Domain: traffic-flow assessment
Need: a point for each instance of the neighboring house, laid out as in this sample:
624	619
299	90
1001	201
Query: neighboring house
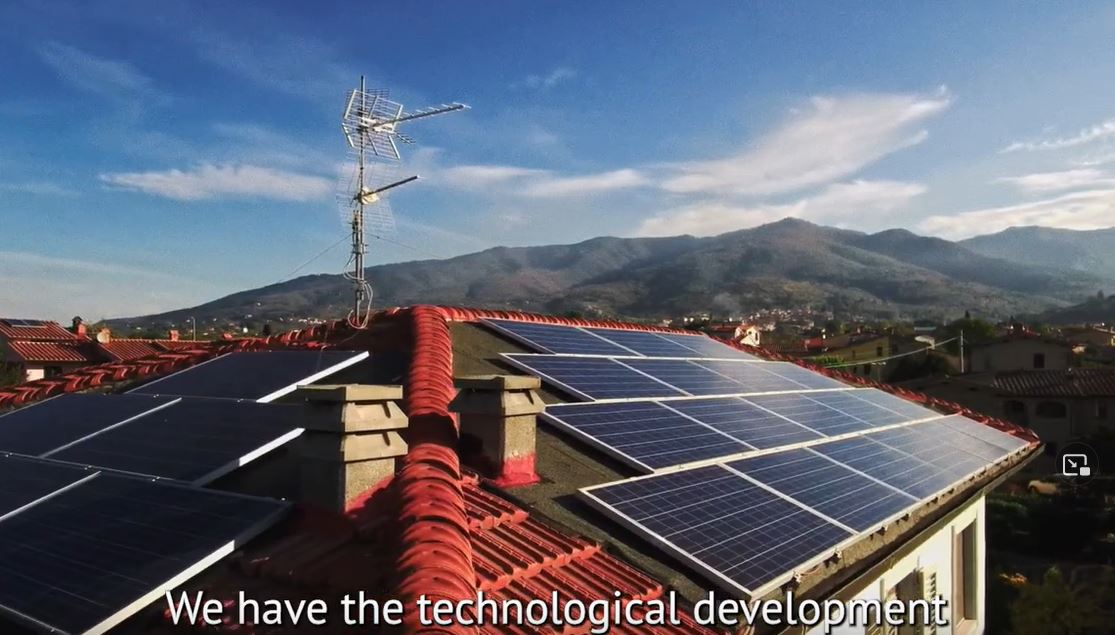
1090	336
863	354
1019	353
740	333
482	498
38	349
1059	405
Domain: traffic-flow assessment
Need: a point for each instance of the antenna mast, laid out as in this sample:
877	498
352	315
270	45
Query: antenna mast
370	124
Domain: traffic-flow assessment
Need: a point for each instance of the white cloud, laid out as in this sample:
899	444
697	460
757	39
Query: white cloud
560	186
833	138
101	76
1090	209
1102	130
298	66
477	177
223	181
862	201
547	81
1041	182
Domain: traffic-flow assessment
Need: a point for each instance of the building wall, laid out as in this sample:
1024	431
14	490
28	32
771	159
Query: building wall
1018	355
936	553
1082	417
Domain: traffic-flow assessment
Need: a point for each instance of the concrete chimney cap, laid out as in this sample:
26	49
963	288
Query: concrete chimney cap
349	393
498	382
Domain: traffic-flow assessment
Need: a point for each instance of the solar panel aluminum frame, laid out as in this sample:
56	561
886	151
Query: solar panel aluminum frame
231	466
358	356
175	581
510	358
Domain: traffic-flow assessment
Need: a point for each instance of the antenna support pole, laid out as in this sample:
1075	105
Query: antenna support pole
358	246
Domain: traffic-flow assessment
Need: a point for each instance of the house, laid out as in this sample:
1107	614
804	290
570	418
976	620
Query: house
1017	352
738	332
479	497
1090	336
38	349
1059	405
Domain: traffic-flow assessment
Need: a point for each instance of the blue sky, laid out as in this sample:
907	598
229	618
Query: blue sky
157	155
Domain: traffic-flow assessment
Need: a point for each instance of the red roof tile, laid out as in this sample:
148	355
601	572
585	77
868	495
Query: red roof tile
1071	382
123	349
79	352
47	331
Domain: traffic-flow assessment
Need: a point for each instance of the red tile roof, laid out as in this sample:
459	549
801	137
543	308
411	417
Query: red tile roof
70	352
1072	382
46	332
429	530
123	349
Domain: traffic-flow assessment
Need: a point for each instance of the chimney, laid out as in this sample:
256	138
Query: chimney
500	412
351	441
172	335
78	327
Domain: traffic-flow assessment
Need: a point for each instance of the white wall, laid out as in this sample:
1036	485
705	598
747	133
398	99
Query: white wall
35	372
936	552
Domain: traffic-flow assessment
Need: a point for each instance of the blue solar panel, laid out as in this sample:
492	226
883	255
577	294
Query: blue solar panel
252	376
889	465
852	403
24	481
756	377
934	448
86	558
1002	440
687	376
704	346
744	421
908	410
645	434
593	377
557	339
811	413
749	536
834	490
645	343
193	440
64	419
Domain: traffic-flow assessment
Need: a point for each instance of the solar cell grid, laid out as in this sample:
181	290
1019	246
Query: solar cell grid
850	403
746	534
707	346
687	376
744	421
55	422
593	377
1002	440
811	413
832	489
889	465
24	481
908	409
935	449
644	343
645	433
558	339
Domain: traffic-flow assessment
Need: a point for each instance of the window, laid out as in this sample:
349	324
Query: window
1039	360
1051	410
52	371
1101	410
878	351
965	576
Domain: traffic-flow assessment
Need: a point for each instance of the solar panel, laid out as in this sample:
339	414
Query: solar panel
889	465
87	557
792	375
557	339
592	378
64	419
687	376
256	376
742	534
1002	440
707	347
645	343
852	499
744	421
909	410
647	435
811	412
194	440
24	481
21	323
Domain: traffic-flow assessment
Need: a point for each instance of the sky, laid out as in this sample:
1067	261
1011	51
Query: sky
156	155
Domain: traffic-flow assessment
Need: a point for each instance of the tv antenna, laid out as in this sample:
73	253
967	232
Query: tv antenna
371	126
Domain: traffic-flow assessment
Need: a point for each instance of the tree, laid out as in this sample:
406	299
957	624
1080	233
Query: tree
1055	606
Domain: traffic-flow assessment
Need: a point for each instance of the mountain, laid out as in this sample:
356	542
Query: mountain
1097	309
790	263
1066	249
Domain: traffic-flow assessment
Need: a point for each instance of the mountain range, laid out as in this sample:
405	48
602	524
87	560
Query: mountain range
787	264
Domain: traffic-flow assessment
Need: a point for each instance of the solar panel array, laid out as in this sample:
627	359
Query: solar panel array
186	438
560	339
654	434
751	522
600	378
257	376
20	323
81	550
